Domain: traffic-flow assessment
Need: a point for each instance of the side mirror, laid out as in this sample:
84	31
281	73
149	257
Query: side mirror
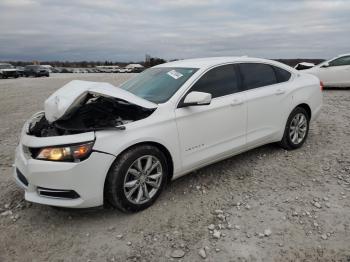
195	98
325	65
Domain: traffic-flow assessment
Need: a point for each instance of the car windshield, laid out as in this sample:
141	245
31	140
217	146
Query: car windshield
6	66
158	84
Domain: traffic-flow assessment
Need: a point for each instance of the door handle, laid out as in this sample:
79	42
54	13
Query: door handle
237	102
280	91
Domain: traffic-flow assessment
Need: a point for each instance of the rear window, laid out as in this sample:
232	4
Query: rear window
257	75
281	74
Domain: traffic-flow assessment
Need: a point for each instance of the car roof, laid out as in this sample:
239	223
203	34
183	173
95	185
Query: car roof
208	62
344	55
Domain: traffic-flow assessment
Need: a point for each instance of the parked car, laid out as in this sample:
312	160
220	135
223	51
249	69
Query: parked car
56	70
48	68
124	70
96	143
20	70
36	71
8	70
76	70
66	70
334	72
91	70
137	70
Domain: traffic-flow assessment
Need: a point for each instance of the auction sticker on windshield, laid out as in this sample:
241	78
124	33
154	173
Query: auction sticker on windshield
174	74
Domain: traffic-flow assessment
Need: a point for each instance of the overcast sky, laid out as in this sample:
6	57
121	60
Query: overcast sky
127	30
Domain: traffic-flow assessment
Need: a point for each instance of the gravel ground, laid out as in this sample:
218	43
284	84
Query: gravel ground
267	204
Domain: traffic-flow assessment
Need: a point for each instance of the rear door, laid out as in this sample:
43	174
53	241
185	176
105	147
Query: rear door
209	132
268	100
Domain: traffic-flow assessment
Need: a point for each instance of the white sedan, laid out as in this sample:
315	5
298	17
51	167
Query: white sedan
96	143
334	72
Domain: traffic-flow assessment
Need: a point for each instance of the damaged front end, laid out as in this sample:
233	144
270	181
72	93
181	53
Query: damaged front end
82	106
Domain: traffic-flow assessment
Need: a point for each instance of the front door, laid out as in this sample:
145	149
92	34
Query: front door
337	73
209	132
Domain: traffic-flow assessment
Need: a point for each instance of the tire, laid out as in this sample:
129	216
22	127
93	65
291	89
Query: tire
120	184
293	140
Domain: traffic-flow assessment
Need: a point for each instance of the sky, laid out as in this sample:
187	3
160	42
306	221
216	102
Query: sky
117	30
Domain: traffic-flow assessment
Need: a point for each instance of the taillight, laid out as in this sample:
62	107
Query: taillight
321	85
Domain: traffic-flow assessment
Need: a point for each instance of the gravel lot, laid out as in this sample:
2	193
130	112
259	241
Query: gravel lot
267	204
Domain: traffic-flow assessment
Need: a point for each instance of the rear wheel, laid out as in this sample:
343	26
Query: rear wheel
136	178
296	130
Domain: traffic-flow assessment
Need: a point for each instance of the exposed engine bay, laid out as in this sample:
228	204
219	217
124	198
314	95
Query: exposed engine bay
96	112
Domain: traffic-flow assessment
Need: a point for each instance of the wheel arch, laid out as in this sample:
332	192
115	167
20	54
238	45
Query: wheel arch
307	109
167	154
160	146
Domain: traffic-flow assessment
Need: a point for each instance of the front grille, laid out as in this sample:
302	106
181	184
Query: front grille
21	177
57	193
10	73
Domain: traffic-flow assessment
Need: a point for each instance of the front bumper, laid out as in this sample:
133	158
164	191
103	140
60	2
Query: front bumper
10	73
316	113
85	178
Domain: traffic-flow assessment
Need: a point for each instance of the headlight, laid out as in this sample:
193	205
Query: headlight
73	153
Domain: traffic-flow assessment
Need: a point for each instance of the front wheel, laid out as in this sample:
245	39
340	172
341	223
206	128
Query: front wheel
136	178
296	130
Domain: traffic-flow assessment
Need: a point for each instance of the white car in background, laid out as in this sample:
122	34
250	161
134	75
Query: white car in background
97	143
334	72
8	70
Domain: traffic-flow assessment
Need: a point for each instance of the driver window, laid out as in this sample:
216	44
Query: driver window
219	81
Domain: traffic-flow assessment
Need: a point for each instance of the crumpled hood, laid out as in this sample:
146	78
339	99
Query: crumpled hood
72	95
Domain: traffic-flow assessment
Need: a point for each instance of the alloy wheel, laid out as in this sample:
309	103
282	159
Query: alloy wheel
298	128
143	179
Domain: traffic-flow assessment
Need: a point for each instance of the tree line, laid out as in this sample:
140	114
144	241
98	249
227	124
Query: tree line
149	63
90	64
